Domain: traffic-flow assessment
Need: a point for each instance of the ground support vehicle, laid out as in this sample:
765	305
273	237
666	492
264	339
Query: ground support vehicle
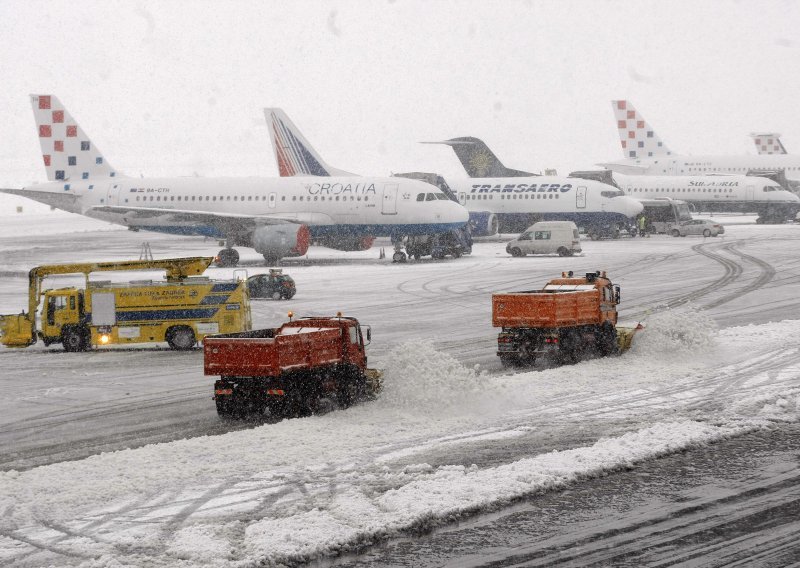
547	237
290	369
570	317
180	310
454	243
275	285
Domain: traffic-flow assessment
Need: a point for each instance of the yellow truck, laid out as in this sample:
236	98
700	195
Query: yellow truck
180	310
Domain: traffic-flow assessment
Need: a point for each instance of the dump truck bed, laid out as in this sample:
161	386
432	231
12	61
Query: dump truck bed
265	354
546	308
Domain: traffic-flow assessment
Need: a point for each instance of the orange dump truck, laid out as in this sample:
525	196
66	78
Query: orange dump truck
566	318
287	370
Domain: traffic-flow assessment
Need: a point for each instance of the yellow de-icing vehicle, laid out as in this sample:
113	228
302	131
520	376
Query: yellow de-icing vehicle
180	310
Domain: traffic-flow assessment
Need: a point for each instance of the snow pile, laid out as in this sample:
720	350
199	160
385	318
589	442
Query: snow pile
420	380
676	332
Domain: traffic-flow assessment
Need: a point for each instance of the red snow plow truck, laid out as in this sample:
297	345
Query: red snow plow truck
288	370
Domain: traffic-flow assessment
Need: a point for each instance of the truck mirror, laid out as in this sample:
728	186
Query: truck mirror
617	295
369	335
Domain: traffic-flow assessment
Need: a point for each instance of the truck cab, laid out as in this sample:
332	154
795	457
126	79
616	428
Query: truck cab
64	312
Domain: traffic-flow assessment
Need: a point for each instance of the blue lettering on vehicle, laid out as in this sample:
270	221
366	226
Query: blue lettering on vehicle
522	188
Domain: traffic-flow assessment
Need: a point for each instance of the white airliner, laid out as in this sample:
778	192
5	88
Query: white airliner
646	154
496	203
278	217
704	193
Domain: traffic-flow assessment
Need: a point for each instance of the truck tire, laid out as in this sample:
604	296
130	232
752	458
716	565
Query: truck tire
509	361
181	337
75	339
570	348
675	233
706	233
562	251
607	340
516	252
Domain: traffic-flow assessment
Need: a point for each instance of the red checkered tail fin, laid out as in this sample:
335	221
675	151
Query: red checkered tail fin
68	153
768	143
638	138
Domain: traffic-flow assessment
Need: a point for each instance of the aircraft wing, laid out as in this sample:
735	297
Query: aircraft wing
631	169
228	222
60	200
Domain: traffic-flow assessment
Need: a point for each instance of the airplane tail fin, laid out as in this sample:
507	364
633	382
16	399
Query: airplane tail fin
768	143
294	154
638	138
67	151
479	160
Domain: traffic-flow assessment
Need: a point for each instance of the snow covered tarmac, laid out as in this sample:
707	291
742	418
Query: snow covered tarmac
444	438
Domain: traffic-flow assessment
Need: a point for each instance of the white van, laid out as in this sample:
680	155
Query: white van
547	237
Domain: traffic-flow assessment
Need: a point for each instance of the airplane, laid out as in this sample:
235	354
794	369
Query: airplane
768	143
646	154
717	193
278	217
495	204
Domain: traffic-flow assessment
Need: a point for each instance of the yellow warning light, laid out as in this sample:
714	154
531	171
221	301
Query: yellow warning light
104	339
291	315
338	314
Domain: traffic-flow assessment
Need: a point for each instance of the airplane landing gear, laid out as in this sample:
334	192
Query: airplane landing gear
227	257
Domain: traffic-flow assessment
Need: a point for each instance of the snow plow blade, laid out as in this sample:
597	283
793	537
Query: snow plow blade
374	381
625	336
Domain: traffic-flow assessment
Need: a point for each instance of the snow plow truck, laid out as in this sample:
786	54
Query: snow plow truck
568	318
289	369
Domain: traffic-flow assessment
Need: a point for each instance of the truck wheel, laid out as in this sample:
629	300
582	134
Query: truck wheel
607	340
516	252
675	233
706	233
563	251
276	296
225	408
74	339
288	295
509	361
181	338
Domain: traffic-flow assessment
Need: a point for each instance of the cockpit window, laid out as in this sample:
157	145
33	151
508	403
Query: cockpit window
441	196
430	197
420	197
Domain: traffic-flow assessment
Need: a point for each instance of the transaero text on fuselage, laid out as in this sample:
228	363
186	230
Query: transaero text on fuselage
522	188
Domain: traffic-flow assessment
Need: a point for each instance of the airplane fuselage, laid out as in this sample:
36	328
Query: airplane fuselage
351	205
722	193
704	165
547	197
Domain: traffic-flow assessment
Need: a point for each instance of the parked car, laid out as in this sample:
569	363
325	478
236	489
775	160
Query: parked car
275	285
705	227
547	237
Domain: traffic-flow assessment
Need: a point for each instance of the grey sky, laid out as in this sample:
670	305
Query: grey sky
173	88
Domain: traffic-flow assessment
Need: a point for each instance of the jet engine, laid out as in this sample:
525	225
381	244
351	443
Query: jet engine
483	224
277	241
346	242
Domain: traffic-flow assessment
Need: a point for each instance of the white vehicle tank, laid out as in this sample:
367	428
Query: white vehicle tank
547	237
